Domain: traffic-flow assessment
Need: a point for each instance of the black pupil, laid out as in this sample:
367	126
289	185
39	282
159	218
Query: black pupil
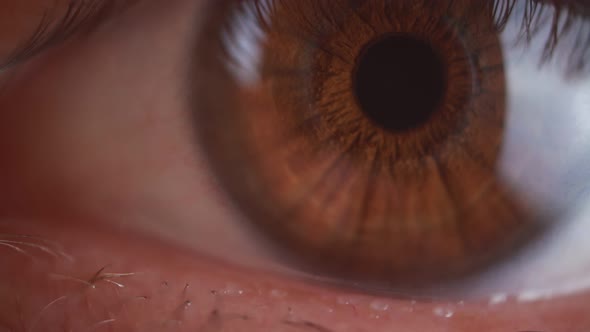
399	82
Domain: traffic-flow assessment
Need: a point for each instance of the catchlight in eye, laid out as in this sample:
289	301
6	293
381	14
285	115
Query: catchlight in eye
369	142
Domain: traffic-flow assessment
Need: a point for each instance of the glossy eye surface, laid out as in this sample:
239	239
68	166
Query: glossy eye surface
111	221
384	141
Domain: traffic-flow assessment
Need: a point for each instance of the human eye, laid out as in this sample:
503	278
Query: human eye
124	209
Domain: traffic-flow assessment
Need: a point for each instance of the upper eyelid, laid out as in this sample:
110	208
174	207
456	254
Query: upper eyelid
55	26
84	15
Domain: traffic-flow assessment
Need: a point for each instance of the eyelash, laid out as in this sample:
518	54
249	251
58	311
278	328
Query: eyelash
79	16
571	20
562	27
85	15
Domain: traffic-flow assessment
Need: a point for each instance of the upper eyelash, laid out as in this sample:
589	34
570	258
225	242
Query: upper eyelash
53	29
564	23
571	20
85	13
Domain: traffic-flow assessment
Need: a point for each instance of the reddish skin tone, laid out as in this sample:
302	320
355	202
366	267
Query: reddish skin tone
96	153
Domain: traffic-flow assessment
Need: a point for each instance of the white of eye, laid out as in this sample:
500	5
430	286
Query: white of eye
545	160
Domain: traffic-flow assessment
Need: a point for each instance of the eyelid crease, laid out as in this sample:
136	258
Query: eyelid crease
79	16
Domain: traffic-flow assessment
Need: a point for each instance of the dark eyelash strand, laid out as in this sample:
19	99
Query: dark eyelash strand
570	21
54	29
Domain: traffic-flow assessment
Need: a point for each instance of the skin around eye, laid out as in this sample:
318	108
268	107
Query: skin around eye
19	21
30	25
97	166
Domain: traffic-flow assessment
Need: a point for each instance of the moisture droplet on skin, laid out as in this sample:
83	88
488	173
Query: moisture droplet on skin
232	289
379	305
444	312
347	300
498	299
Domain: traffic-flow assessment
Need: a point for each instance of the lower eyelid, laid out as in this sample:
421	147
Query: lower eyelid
183	288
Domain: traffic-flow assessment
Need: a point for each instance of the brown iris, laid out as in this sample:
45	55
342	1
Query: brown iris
366	144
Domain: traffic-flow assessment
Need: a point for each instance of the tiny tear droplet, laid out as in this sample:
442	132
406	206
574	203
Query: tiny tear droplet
498	299
232	289
348	300
375	316
408	309
444	312
378	305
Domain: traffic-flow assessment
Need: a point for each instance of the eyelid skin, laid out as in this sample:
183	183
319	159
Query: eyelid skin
94	163
165	288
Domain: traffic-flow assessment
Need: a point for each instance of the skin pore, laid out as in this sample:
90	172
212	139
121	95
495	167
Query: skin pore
112	210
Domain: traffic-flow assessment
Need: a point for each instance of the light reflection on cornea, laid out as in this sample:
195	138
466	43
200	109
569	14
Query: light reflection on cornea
571	288
497	299
243	42
444	312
